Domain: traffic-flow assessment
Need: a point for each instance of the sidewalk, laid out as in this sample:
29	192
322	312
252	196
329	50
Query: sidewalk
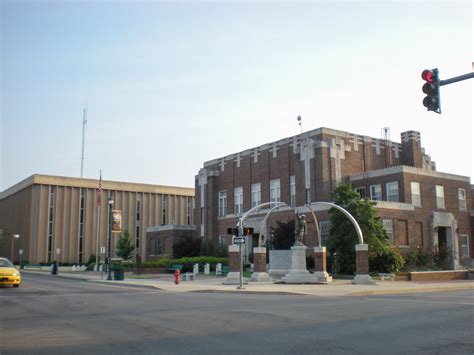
205	283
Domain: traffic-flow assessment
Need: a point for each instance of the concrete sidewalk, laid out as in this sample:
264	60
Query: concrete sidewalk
205	283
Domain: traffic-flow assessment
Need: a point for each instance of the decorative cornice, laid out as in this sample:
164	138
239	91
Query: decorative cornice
38	179
407	170
168	227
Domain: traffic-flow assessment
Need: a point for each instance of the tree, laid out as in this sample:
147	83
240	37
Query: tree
283	236
125	245
343	236
209	248
187	246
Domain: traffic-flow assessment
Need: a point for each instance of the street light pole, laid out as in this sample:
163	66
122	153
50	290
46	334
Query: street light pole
109	272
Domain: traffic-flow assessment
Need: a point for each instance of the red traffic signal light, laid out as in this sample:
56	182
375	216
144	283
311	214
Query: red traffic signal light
428	75
431	89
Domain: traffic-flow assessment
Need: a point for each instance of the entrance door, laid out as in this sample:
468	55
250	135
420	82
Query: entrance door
442	238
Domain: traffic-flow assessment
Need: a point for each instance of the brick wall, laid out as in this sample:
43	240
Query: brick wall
438	275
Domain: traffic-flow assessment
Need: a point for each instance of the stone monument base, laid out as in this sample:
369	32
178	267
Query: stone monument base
260	276
323	277
298	273
363	279
232	278
299	277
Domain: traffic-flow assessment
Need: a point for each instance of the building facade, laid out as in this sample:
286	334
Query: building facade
419	206
59	218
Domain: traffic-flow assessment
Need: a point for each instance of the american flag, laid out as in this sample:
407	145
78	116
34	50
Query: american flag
99	190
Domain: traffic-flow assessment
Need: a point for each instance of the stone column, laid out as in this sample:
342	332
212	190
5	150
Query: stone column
320	269
260	265
362	266
233	277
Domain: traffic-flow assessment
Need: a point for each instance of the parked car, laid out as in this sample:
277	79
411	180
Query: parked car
9	275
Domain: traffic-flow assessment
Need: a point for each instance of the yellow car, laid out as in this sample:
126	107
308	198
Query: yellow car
9	275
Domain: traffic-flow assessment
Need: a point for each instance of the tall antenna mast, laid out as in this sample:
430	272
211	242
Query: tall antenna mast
84	121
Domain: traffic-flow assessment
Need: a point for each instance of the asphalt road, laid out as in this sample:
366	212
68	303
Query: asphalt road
48	315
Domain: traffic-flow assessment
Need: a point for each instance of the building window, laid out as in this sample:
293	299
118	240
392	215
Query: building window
275	190
439	196
50	222
392	192
462	200
81	226
415	194
222	203
292	191
189	210
360	191
138	224
256	194
324	227
376	192
238	200
388	226
163	209
464	246
222	240
157	246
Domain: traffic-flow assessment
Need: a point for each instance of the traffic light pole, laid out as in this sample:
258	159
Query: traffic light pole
456	79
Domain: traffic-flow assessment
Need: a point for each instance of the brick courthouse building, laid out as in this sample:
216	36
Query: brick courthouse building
419	206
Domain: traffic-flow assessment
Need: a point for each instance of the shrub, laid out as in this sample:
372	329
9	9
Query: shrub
425	259
389	262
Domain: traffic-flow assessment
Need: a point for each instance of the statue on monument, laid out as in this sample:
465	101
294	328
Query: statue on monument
300	228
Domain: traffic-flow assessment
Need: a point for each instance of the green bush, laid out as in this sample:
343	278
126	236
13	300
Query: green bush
201	260
389	262
163	262
423	259
188	263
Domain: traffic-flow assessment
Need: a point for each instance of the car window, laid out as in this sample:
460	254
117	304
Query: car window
5	263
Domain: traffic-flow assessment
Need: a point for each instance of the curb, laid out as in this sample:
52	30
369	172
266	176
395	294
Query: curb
414	290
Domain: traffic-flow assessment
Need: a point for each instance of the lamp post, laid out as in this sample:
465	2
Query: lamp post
109	272
14	236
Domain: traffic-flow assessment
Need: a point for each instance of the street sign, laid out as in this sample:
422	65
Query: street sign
238	240
102	250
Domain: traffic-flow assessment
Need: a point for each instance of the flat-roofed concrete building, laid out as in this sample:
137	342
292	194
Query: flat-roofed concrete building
57	217
420	207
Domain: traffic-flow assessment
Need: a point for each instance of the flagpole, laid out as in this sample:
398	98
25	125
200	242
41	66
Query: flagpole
99	204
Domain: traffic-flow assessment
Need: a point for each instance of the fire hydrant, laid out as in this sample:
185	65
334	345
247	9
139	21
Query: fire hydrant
177	276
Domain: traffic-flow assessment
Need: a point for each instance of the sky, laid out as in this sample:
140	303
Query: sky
168	85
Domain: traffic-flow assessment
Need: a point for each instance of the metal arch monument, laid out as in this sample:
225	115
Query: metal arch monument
260	274
362	250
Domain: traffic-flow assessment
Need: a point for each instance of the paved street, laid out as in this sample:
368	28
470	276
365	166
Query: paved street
49	315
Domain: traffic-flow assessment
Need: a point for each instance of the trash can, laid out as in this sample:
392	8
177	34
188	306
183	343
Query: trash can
118	274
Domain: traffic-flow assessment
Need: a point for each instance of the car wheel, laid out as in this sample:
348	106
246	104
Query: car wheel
16	285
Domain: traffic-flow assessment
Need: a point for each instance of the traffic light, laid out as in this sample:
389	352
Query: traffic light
235	231
248	231
431	89
232	231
